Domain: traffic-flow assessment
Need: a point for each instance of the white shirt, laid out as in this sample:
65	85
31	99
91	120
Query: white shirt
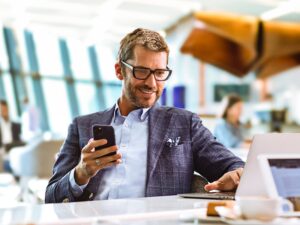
6	134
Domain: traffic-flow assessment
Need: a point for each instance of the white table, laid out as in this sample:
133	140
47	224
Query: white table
121	211
168	210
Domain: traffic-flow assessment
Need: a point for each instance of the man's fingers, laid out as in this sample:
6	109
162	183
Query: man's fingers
240	172
94	165
235	178
106	159
212	186
92	144
91	162
105	151
113	163
228	182
221	186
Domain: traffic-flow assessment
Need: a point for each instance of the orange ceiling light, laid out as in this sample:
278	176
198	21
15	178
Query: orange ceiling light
240	44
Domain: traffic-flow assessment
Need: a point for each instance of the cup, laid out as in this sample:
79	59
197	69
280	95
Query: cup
262	208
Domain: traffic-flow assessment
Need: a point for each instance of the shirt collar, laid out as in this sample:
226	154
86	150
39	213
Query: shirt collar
142	113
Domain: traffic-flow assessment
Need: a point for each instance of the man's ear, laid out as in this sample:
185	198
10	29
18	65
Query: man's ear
118	71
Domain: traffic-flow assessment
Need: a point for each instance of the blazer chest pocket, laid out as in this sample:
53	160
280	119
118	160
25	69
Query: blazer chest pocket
179	156
178	149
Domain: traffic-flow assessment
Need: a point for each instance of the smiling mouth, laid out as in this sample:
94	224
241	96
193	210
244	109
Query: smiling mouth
146	91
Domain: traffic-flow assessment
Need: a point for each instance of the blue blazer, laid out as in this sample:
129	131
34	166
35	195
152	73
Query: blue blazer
170	167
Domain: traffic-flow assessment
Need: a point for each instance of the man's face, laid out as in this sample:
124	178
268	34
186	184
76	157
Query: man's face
144	93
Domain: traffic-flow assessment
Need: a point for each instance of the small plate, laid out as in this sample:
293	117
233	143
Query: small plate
255	222
200	216
229	216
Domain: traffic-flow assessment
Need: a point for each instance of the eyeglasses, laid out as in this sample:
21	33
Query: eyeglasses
142	73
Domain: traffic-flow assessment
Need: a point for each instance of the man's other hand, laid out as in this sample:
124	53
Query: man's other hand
228	182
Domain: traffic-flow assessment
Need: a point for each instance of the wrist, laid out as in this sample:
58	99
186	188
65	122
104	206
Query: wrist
81	176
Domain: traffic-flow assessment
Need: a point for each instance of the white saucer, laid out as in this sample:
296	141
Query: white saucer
229	216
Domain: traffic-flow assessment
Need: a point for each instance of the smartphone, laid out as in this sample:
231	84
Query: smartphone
104	132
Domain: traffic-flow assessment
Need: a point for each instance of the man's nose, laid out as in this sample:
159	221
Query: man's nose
151	81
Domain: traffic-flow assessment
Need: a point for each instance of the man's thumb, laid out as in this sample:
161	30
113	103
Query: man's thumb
212	186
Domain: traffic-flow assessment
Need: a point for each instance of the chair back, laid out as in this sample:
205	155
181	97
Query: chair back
36	159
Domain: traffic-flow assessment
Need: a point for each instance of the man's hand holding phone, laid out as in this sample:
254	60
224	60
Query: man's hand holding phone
96	155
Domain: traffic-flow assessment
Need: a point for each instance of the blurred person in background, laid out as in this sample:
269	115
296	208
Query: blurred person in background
10	134
30	121
229	130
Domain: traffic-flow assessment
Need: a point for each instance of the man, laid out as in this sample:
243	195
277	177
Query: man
159	148
10	133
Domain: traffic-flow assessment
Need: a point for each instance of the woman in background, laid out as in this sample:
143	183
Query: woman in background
229	130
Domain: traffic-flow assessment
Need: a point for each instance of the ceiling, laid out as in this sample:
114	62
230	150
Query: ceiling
95	20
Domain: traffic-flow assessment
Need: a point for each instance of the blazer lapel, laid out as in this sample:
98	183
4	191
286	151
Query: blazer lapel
159	122
103	118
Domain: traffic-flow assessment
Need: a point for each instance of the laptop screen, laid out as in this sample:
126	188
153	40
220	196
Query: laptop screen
283	177
286	176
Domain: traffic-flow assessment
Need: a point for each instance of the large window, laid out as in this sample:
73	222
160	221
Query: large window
57	104
112	93
48	54
3	53
80	64
88	101
52	91
106	62
3	63
10	95
7	90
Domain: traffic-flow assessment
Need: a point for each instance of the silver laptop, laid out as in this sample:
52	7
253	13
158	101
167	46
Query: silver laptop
252	181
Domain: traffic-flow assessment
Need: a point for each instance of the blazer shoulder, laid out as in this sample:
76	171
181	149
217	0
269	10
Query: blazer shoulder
84	123
93	116
87	117
174	111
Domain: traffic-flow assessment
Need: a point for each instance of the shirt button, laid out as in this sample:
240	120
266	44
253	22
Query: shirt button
91	195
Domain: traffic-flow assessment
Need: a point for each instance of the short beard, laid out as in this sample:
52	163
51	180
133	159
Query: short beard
130	95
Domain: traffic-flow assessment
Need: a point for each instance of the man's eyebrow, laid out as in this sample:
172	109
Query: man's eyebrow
144	67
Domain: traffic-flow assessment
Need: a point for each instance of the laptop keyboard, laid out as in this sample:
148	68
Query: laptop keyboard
211	195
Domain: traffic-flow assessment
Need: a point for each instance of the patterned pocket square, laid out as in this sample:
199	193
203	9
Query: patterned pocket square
172	142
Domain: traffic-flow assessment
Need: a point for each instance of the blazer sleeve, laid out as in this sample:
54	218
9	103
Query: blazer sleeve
211	158
59	188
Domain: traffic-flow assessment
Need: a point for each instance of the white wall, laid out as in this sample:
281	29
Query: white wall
285	87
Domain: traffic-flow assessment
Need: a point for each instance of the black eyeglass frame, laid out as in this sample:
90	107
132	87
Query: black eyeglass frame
151	71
